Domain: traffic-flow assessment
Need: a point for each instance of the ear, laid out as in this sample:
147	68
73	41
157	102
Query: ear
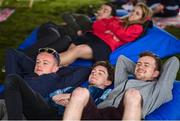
156	74
107	82
56	68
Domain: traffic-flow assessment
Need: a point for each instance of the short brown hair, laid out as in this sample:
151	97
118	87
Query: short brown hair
113	9
110	68
156	58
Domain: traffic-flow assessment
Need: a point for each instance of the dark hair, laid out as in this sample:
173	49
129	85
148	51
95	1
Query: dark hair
51	51
113	9
110	68
156	58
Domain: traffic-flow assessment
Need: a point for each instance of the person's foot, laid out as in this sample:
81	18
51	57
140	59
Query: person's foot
3	69
67	38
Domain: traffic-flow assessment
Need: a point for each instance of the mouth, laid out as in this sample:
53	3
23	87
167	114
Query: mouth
140	71
92	79
39	70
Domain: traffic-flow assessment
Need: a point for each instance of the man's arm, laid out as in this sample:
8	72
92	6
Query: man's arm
168	75
124	66
62	99
18	63
69	76
74	75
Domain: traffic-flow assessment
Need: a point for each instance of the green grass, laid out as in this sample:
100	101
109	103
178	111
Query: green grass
24	20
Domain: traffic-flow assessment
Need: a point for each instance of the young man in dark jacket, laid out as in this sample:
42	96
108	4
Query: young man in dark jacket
36	80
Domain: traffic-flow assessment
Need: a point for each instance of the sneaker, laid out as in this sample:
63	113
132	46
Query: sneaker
67	38
3	69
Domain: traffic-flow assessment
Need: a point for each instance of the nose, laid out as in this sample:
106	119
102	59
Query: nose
132	14
141	66
39	65
94	73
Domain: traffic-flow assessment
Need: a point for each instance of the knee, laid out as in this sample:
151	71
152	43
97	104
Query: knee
132	97
10	52
82	48
80	95
11	79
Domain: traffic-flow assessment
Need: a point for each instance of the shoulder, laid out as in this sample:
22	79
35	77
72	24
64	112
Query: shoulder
138	28
50	75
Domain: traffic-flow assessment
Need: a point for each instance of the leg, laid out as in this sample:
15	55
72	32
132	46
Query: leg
71	46
78	101
82	106
132	105
91	112
72	24
17	62
81	51
83	21
20	98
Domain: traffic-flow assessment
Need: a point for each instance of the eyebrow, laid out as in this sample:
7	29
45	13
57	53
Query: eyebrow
42	60
144	63
102	71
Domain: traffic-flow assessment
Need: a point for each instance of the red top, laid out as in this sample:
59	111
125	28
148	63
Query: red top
117	35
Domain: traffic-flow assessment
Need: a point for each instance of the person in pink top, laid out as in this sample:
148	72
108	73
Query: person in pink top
108	33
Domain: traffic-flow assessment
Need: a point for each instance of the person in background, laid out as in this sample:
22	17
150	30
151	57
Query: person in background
108	33
164	8
131	98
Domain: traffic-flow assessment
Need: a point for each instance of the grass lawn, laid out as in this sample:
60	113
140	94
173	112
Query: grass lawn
24	20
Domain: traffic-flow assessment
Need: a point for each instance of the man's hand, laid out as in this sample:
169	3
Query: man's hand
109	32
79	32
61	99
159	8
114	36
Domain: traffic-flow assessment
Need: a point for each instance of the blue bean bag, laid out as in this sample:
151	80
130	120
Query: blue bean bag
156	40
30	40
169	110
1	87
